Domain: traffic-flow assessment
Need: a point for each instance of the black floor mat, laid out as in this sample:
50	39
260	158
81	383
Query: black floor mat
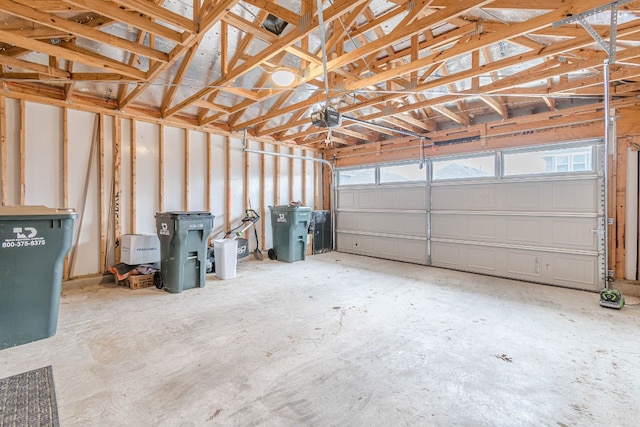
29	399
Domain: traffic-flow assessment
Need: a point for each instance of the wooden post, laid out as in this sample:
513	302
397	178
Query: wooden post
292	178
65	175
209	172
620	218
246	185
23	166
186	169
161	168
316	185
276	179
133	176
326	188
3	148
262	193
227	182
117	175
102	216
304	179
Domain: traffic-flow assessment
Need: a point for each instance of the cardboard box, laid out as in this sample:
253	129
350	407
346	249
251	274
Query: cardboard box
309	248
139	281
139	249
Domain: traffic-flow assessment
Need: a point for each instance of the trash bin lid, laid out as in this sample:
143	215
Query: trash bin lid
185	214
21	211
289	208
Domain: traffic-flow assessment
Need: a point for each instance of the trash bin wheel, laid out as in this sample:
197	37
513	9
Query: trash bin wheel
157	280
272	254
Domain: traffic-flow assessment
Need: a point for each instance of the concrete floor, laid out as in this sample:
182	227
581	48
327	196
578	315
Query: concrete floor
340	340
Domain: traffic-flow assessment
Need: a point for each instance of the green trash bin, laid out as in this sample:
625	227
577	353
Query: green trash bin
183	249
290	227
33	243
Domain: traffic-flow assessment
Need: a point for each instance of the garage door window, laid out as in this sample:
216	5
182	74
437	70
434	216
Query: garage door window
357	176
465	168
557	161
408	172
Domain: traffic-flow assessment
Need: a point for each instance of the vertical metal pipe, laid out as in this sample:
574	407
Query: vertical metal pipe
607	142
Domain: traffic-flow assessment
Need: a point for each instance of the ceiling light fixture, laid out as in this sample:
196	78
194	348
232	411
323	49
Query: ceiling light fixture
283	76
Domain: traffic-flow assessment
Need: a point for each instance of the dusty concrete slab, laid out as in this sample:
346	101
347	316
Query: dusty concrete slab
340	340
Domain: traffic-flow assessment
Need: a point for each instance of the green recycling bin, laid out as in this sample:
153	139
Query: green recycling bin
290	227
33	243
183	249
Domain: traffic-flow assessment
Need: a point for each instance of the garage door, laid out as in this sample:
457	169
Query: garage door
534	214
382	212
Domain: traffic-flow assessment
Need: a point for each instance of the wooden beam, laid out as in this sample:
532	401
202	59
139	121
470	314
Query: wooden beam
22	150
291	177
134	184
158	13
117	174
161	168
102	216
276	178
227	185
304	179
209	172
3	148
186	170
262	196
77	29
113	11
65	176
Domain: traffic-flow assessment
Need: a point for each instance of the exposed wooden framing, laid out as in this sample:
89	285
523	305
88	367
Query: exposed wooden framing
304	179
316	186
185	203
262	196
102	217
158	13
117	174
112	11
161	167
209	172
177	79
122	90
22	149
67	26
134	184
206	22
276	178
3	148
326	188
292	178
65	175
227	185
619	214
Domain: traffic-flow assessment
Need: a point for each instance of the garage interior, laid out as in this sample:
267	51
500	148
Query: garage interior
479	160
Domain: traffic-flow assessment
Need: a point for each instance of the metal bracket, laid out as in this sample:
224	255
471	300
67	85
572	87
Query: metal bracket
610	47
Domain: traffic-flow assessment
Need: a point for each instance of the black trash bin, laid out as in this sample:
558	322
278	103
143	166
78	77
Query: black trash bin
33	243
183	249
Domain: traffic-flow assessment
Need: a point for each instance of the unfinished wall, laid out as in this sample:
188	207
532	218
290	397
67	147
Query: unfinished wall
117	172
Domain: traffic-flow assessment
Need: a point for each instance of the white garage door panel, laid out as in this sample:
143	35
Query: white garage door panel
576	271
346	199
409	198
393	248
575	195
393	198
411	224
544	232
